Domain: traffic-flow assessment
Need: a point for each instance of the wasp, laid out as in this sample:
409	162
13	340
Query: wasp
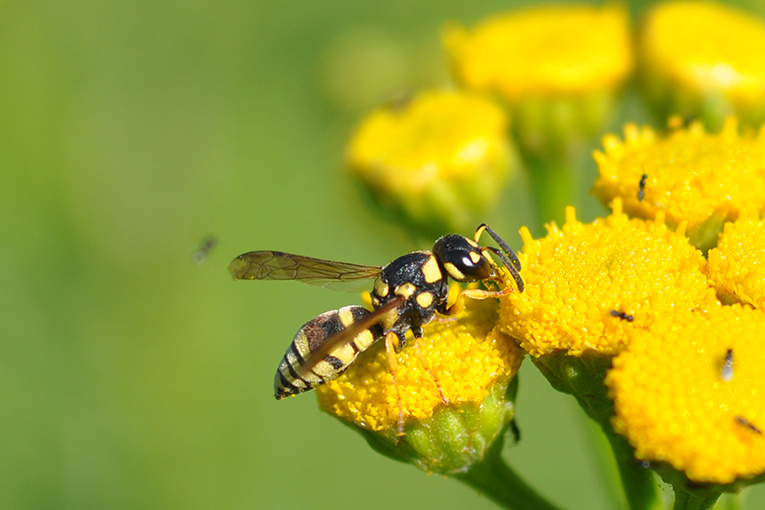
406	294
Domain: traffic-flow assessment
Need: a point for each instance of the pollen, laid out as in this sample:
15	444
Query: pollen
544	50
676	403
579	275
704	57
688	175
466	357
736	265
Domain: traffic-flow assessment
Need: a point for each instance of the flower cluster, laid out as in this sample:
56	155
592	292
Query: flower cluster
649	315
450	389
425	372
735	265
438	159
698	405
587	285
709	68
689	175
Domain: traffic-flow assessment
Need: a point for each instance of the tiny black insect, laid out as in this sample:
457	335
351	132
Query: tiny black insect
641	187
406	294
727	369
746	423
622	315
204	249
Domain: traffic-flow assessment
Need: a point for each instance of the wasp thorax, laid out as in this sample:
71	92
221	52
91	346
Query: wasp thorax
462	258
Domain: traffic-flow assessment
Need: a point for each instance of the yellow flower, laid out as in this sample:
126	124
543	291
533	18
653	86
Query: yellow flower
704	59
735	266
587	285
689	392
689	175
558	67
549	49
440	159
466	357
471	362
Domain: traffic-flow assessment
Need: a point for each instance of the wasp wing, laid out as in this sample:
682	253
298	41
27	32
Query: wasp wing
277	265
352	331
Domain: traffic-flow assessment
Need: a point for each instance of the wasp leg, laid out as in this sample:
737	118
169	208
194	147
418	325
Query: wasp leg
391	346
516	431
425	365
443	319
459	303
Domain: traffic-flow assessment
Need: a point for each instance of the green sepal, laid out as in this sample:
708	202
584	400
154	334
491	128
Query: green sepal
706	235
697	493
668	98
455	437
560	125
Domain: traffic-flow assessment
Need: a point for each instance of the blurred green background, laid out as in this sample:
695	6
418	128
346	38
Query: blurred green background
131	377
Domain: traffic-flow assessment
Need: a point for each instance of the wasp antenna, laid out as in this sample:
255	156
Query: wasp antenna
479	231
509	265
516	263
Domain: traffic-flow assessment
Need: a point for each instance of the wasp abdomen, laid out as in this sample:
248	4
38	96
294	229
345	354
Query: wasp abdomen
297	373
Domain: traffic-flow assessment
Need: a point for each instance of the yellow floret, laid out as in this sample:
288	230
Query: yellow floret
690	175
676	403
581	278
704	58
466	356
439	158
544	50
736	266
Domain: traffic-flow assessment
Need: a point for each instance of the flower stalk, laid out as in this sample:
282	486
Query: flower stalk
657	341
689	501
552	184
493	478
582	377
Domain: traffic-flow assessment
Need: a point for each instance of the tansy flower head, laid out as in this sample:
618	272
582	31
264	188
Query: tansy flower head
688	392
556	66
703	59
588	284
439	159
689	175
452	395
735	266
548	49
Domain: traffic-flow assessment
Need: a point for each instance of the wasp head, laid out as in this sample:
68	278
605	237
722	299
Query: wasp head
463	259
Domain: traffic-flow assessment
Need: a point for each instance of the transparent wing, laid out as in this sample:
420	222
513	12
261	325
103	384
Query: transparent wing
345	336
276	265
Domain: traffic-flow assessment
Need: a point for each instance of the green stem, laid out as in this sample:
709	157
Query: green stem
497	481
553	187
729	502
689	501
638	482
602	453
583	377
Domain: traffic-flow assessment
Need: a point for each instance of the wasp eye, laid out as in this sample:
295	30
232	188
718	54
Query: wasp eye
462	259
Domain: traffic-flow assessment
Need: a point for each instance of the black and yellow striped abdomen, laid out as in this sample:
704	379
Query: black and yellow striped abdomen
299	372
